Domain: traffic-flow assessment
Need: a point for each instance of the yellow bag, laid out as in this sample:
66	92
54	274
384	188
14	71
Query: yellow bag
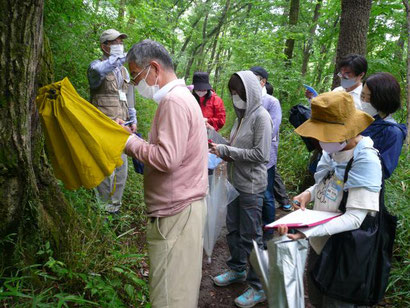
84	145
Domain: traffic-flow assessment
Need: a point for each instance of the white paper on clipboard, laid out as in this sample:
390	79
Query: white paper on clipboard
303	218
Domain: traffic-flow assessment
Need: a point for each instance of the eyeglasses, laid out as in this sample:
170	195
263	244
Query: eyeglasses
346	75
341	75
132	81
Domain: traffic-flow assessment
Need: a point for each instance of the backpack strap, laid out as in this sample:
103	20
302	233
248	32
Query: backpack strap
342	205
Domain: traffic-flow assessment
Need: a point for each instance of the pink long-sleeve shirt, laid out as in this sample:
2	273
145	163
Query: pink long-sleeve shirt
176	157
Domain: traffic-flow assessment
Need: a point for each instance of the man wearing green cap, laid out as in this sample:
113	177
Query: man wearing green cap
112	95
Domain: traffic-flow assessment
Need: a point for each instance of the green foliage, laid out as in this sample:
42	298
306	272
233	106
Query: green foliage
107	264
397	199
107	269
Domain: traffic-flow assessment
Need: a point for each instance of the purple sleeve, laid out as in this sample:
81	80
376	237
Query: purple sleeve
275	111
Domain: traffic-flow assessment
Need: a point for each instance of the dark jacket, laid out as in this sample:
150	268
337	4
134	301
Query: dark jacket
388	138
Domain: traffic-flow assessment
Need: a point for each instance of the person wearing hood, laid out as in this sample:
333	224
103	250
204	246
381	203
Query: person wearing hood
338	132
112	95
382	92
272	106
247	153
352	69
211	104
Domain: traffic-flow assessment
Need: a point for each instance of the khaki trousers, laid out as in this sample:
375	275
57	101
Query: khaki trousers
175	246
116	180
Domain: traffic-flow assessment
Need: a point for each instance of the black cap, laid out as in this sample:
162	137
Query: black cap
260	71
201	81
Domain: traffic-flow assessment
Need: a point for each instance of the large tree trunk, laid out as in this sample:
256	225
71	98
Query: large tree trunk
354	24
32	207
406	4
293	20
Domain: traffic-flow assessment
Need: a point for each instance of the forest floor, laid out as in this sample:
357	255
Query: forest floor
211	295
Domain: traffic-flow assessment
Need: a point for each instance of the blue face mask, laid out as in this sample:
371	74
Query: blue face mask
347	83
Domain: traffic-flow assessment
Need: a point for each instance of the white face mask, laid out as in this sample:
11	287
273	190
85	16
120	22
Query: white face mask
238	102
117	50
368	108
146	90
201	93
332	147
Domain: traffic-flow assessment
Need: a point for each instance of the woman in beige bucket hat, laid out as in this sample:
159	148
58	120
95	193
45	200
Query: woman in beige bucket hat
337	124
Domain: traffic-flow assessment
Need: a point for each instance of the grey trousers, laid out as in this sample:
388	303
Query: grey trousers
244	224
110	190
279	189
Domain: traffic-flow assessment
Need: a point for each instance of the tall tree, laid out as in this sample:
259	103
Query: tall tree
406	4
293	20
32	206
308	46
354	24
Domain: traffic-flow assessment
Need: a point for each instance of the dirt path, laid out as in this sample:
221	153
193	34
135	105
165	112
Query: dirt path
221	297
211	295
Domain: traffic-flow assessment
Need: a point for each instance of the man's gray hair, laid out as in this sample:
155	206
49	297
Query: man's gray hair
147	50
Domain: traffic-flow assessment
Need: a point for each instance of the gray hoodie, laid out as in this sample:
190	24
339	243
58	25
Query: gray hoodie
250	140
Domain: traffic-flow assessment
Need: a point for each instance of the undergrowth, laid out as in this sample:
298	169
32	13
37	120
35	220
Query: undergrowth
107	264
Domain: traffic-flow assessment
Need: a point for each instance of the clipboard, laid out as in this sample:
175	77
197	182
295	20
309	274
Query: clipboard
303	218
216	137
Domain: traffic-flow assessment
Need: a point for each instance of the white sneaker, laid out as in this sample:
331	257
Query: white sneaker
110	208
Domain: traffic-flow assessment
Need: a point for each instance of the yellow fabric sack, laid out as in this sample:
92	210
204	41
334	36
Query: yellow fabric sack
84	145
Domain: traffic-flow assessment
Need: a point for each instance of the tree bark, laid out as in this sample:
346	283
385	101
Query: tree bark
212	57
407	6
308	46
293	20
32	207
354	24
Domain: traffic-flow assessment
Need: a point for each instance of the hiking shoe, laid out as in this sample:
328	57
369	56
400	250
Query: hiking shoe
250	298
229	277
112	209
287	207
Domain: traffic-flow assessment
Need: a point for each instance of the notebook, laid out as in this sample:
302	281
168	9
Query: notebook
303	218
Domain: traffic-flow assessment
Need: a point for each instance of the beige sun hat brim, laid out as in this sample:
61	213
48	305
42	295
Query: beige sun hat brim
334	118
333	132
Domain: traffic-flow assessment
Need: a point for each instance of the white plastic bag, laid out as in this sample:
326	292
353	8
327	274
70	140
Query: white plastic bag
281	270
220	194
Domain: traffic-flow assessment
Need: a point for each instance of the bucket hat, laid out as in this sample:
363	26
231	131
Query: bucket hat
201	81
334	118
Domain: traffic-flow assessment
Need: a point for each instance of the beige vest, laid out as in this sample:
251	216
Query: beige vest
107	99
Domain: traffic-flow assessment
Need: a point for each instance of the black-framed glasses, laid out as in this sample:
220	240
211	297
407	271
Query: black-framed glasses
132	81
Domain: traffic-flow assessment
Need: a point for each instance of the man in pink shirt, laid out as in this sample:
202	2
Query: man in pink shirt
175	177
